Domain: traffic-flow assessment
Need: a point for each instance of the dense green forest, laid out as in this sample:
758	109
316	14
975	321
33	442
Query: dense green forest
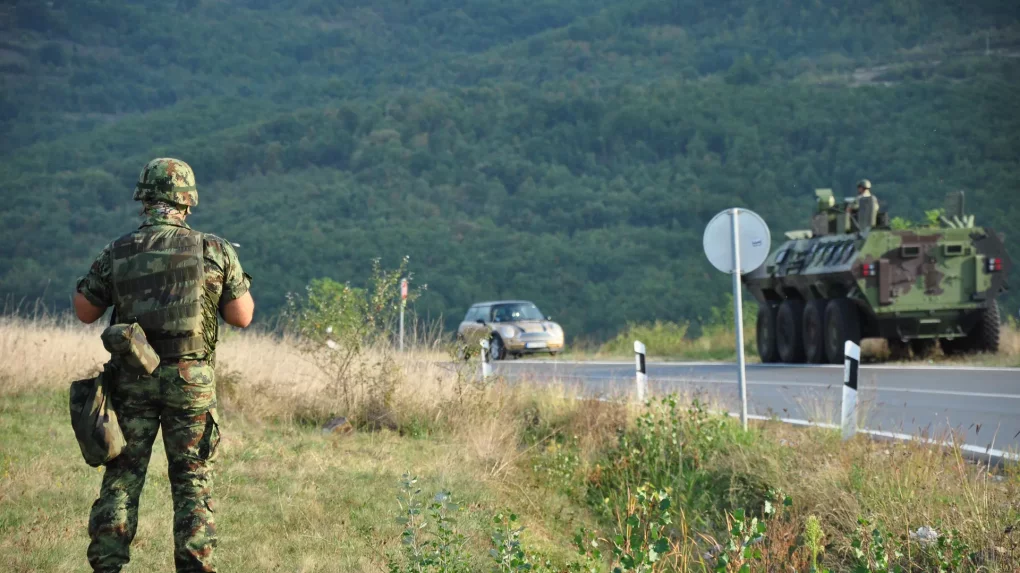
566	151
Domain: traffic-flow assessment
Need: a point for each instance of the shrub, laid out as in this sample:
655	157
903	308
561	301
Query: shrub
334	324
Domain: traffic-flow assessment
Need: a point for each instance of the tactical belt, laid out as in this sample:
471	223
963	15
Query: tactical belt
176	347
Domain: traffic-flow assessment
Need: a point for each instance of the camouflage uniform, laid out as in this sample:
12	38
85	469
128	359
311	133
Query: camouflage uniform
865	196
179	397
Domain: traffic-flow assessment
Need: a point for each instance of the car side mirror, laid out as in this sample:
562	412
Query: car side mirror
480	321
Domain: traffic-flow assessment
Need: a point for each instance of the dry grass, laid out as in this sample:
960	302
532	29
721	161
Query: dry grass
295	498
46	352
902	484
876	349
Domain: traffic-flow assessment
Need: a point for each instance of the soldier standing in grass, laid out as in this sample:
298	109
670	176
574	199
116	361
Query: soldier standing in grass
173	281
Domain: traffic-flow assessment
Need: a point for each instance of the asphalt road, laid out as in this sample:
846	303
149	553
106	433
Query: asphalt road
981	405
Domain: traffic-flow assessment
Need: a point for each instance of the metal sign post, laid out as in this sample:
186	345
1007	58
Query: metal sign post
738	317
737	241
403	305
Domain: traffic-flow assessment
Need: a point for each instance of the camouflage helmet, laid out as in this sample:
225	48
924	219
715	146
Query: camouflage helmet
166	179
864	183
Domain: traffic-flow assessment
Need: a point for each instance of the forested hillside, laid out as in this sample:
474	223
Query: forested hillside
567	151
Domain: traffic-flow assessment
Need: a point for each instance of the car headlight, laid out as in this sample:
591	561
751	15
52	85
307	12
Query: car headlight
507	331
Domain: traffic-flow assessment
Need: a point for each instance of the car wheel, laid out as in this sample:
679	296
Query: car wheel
497	351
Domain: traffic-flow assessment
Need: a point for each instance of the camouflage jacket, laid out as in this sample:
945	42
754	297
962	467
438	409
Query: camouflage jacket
225	280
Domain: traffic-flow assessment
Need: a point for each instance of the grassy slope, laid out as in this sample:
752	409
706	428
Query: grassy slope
291	497
287	496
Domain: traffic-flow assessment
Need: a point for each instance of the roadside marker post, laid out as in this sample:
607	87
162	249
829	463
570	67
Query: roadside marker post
486	365
403	305
642	374
851	372
737	242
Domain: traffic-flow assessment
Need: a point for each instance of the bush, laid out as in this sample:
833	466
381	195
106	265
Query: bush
335	324
715	341
669	448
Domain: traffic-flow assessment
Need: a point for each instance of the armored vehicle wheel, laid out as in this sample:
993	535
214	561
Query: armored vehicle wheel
842	323
922	347
766	334
789	337
954	346
814	331
985	335
899	349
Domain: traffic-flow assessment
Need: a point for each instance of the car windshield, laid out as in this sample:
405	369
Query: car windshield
516	311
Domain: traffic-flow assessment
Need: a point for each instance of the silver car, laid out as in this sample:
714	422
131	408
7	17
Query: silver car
514	328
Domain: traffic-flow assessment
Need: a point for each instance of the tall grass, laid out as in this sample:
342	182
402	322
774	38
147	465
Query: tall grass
561	461
673	340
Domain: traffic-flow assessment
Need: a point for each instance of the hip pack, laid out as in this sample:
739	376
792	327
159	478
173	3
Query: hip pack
127	344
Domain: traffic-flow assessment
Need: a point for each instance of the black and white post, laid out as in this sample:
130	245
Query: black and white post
851	372
641	374
486	357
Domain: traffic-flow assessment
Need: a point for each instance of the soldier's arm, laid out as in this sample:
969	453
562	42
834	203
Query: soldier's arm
94	292
239	312
236	303
85	310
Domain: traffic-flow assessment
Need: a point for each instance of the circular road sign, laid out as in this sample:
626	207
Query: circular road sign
753	237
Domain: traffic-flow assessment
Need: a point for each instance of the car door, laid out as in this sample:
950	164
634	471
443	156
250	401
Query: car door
470	328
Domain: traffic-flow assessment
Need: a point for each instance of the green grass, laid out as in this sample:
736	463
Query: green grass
287	497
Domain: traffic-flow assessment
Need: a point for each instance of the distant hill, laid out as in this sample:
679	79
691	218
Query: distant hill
565	151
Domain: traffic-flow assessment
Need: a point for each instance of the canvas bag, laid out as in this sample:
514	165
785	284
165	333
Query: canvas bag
94	421
92	416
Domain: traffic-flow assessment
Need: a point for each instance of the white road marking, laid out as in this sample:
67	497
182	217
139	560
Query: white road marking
894	435
598	378
920	367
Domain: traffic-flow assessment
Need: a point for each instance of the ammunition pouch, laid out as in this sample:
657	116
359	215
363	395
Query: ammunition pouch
95	423
130	348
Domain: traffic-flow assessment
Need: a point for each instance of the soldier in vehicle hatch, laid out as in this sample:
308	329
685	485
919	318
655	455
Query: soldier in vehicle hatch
866	209
172	281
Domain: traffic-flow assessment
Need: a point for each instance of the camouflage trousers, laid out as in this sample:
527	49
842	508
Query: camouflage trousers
180	399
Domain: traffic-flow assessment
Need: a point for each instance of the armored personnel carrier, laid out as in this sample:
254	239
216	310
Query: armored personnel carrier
852	276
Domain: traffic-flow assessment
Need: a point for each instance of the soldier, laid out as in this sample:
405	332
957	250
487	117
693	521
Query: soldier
864	190
867	206
173	281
